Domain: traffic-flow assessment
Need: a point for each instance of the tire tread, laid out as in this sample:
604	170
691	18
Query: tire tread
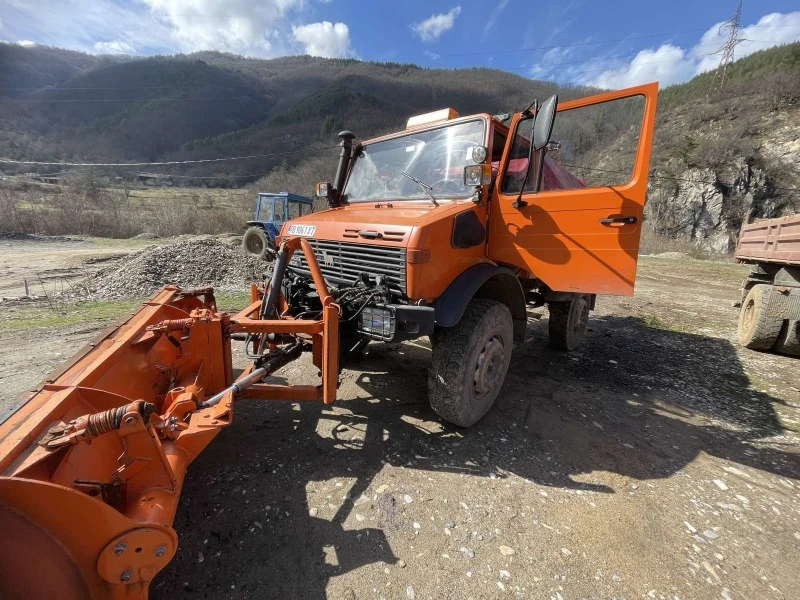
767	327
446	379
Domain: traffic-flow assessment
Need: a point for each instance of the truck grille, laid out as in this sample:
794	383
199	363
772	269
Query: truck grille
342	262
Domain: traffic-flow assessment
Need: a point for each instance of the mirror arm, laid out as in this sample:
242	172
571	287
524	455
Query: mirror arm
519	202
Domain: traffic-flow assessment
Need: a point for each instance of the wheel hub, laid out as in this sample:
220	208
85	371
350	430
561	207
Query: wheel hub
488	367
580	314
748	315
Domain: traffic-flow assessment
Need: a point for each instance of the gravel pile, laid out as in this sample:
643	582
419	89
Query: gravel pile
189	263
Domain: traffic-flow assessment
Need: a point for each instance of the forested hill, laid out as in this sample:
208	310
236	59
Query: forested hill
210	104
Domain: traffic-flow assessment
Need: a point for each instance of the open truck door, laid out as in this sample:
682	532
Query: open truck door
576	224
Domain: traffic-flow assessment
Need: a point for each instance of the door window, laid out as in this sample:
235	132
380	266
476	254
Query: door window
591	146
265	209
294	210
280	211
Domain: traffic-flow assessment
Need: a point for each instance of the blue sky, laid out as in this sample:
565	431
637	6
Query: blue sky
612	43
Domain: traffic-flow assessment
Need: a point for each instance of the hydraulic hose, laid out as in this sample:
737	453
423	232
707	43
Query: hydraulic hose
278	271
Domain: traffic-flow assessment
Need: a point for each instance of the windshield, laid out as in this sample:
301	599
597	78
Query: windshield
435	157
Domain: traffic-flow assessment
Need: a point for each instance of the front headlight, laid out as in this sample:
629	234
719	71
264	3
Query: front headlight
377	322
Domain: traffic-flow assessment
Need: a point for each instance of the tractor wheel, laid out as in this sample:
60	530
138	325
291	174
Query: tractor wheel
470	361
789	338
256	243
757	329
568	322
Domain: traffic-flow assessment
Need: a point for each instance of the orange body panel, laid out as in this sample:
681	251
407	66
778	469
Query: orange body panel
92	464
558	236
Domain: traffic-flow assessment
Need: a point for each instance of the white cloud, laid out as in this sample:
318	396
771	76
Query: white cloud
115	47
250	27
331	40
671	64
27	43
770	30
434	26
79	24
242	26
668	65
492	20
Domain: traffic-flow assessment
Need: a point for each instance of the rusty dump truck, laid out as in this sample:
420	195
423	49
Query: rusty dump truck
448	229
770	310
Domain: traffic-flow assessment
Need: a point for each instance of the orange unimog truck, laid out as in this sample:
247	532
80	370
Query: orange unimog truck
453	227
449	229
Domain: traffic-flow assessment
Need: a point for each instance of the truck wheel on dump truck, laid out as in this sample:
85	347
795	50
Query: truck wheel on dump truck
757	329
470	361
256	242
568	322
789	338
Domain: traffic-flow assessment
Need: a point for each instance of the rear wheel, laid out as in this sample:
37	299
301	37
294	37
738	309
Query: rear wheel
568	322
470	361
757	329
789	338
256	242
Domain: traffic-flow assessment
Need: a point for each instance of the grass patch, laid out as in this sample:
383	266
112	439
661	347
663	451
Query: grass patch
655	322
63	315
43	316
232	301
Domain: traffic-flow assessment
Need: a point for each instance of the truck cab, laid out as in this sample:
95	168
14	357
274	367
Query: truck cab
271	212
456	225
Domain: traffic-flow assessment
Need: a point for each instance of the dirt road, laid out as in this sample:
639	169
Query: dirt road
53	264
659	461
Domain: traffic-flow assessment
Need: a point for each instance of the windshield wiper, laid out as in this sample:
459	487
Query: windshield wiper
425	187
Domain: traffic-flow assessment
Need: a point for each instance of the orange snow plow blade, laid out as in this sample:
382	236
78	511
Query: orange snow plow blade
92	464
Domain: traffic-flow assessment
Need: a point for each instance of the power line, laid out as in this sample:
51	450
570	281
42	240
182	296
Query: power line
172	162
576	44
262	96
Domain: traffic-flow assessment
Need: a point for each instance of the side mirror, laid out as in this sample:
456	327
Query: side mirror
543	126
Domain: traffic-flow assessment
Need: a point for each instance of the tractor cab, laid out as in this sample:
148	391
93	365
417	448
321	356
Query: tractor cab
272	210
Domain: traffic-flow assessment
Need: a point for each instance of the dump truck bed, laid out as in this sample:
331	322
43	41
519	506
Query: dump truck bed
770	240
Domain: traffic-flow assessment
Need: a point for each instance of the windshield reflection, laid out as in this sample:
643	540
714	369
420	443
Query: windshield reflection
436	157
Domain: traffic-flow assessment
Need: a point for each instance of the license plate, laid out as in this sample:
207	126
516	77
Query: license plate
304	230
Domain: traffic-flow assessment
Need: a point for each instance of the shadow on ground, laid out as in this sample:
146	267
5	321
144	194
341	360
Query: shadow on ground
637	402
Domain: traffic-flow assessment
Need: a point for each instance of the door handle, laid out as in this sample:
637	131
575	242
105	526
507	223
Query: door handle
623	220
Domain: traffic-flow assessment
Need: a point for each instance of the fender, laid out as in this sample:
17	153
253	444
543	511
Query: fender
483	281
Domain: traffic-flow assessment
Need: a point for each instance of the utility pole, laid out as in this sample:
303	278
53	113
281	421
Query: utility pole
726	52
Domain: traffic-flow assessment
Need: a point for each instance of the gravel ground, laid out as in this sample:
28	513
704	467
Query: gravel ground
658	461
194	262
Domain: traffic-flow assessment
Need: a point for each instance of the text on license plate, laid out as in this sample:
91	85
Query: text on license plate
305	230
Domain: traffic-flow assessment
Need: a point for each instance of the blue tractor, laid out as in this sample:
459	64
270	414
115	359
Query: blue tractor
272	210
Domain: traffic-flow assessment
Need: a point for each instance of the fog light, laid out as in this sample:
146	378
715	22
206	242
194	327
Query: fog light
377	322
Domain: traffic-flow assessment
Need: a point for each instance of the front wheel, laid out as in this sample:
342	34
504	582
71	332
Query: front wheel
470	362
